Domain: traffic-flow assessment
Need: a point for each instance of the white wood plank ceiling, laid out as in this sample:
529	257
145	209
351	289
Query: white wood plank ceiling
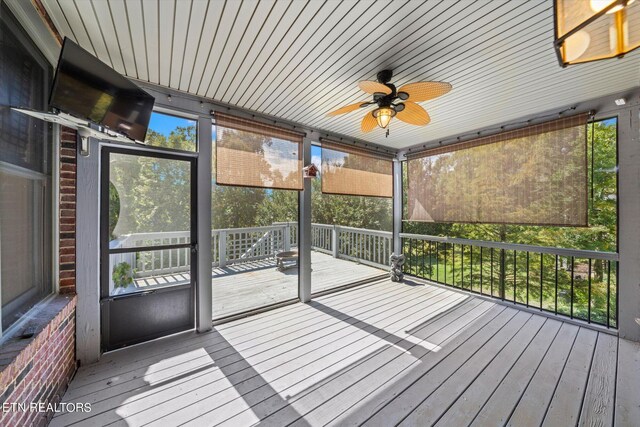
299	59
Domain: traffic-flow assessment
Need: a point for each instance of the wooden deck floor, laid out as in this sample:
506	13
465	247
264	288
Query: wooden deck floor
379	354
250	285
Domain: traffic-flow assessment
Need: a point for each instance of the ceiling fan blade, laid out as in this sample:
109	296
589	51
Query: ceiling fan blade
424	91
372	87
413	114
369	122
345	109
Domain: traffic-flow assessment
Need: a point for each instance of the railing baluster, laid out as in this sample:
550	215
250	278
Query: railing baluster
481	271
541	277
437	263
555	310
589	294
515	277
573	264
491	271
471	269
423	242
608	294
527	278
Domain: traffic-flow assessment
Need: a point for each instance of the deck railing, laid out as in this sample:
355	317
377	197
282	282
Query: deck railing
239	245
575	283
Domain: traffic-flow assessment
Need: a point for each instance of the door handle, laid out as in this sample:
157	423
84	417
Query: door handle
194	247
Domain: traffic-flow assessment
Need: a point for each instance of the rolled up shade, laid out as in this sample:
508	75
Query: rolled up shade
536	175
354	171
254	154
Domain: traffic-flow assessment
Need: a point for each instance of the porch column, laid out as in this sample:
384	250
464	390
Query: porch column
204	302
304	231
87	255
629	222
397	206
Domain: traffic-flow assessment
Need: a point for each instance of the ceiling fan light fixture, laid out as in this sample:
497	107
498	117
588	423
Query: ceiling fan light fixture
593	30
383	116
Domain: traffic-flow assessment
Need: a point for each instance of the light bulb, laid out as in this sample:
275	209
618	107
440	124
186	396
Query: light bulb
383	116
576	45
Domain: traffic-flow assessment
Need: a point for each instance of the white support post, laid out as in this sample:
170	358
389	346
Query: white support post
629	223
204	314
334	241
304	231
397	207
222	248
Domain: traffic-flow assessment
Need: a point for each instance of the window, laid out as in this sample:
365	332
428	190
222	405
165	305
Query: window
172	132
25	175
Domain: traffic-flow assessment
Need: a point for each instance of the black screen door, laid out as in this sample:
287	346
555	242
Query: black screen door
148	245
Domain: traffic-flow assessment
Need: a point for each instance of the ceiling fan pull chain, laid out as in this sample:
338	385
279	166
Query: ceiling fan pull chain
387	134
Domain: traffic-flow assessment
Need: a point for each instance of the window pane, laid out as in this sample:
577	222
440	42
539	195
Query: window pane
149	200
23	237
132	272
24	139
172	132
25	195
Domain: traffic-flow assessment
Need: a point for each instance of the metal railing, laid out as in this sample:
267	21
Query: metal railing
579	284
240	245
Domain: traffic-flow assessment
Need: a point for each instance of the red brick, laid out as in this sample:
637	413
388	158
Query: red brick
68	213
67	258
67	167
67	274
67	251
67	152
68	197
68	175
67	227
68	190
68	220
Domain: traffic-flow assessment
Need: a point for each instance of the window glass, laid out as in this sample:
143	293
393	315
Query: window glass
172	132
25	188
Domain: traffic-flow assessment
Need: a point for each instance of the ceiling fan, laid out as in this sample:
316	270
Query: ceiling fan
392	102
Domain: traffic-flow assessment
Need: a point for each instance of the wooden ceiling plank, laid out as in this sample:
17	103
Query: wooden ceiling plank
292	29
135	21
57	17
304	48
243	42
203	52
369	27
235	76
237	87
151	38
182	18
223	31
123	33
199	13
166	27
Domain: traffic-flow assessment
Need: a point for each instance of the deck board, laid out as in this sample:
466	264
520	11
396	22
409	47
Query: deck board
377	354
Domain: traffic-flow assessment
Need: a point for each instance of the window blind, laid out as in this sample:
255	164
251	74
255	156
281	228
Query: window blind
354	171
254	154
536	175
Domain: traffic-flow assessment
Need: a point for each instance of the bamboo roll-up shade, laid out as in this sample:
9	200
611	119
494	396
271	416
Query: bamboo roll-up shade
354	171
536	175
254	154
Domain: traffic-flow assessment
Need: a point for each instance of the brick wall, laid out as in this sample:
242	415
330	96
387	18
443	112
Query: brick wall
67	210
39	369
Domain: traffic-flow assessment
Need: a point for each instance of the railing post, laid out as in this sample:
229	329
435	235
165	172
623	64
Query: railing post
222	248
334	241
397	205
286	233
